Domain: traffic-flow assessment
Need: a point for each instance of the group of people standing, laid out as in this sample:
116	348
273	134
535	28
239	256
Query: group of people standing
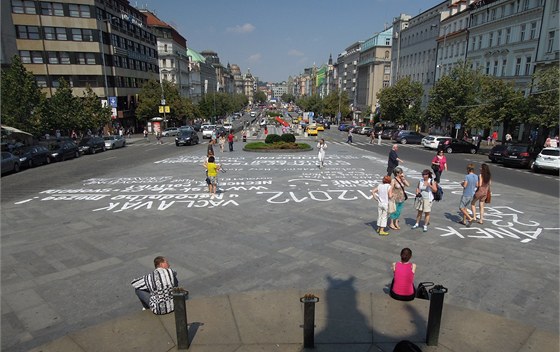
391	193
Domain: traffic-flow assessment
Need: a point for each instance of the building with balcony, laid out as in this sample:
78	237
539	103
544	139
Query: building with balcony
104	44
347	65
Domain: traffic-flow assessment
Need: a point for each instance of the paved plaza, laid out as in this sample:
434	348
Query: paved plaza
279	223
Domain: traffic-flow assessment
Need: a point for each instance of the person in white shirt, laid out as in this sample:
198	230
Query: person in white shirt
382	193
321	146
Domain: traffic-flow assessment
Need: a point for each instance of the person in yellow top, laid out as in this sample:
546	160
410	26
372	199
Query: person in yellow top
212	169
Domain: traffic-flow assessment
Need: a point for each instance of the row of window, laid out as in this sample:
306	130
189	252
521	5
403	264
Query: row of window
506	36
93	81
79	58
125	27
506	10
56	33
31	7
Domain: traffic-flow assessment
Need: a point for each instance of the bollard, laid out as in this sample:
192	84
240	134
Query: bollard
309	301
434	317
179	297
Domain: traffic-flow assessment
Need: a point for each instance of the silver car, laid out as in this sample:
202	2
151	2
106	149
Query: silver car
114	142
171	131
548	159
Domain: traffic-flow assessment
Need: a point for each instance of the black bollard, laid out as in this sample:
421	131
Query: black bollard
434	317
309	301
179	297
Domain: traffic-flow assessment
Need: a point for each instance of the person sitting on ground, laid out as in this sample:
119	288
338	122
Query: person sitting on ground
402	286
155	289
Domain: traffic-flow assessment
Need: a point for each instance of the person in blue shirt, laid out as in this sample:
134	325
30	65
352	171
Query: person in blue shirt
469	188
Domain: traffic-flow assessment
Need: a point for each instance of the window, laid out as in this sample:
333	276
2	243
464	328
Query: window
77	34
387	41
387	54
508	34
499	38
487	67
28	32
555	5
26	6
504	65
79	11
41	81
522	34
52	9
479	42
493	14
25	56
61	33
527	66
533	32
64	57
48	33
165	47
517	66
37	57
85	58
525	5
53	57
550	44
473	43
386	69
87	35
490	39
495	68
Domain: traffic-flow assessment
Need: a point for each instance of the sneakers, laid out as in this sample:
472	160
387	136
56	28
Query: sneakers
425	228
415	226
383	233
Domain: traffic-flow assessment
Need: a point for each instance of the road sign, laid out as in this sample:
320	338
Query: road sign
167	109
162	101
113	102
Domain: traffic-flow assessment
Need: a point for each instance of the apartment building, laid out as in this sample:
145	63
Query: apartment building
347	64
374	69
172	53
105	44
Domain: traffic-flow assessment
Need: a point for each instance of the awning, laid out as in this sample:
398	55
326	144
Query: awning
153	119
10	130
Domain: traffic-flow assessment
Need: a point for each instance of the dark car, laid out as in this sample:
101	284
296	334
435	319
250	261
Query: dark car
388	133
458	146
34	155
408	137
342	126
186	137
10	163
63	150
496	154
521	155
91	145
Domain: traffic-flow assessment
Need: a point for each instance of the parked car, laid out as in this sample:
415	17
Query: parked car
350	127
521	155
548	159
433	142
387	133
186	137
459	146
366	130
197	126
320	127
171	131
10	163
342	126
496	154
228	126
91	145
408	137
113	142
207	131
34	155
63	150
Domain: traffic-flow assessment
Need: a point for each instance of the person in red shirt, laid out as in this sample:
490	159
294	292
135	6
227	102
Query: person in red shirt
230	139
402	286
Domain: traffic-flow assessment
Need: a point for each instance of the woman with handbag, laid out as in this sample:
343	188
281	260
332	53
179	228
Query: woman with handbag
382	193
424	198
439	164
483	192
398	185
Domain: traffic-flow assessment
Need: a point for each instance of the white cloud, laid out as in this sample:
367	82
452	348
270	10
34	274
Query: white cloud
245	28
255	58
294	52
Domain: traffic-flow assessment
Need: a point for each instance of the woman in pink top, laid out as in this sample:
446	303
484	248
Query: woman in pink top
439	164
402	286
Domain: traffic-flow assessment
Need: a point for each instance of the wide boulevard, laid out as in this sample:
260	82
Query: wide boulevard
74	234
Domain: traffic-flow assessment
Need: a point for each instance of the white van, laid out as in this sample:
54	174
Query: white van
228	126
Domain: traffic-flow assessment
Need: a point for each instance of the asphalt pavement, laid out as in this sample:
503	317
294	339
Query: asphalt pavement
280	227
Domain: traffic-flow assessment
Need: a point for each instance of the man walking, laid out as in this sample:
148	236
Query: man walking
155	289
230	139
394	160
469	188
349	140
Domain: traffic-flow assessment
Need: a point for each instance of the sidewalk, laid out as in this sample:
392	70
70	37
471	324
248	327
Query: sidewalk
345	320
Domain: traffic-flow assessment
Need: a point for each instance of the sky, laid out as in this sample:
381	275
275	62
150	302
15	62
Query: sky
278	39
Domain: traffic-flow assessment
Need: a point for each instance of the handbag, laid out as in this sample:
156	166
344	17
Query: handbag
488	196
392	206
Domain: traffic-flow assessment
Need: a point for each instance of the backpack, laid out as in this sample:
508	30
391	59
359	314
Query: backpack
422	291
438	194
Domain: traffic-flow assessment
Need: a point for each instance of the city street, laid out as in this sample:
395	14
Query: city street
74	234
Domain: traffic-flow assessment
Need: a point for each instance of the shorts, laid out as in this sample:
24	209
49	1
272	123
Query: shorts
213	180
465	202
423	205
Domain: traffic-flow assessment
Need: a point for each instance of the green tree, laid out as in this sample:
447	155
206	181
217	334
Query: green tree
150	97
335	101
21	97
288	98
401	103
311	103
544	100
92	115
260	97
452	97
61	110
